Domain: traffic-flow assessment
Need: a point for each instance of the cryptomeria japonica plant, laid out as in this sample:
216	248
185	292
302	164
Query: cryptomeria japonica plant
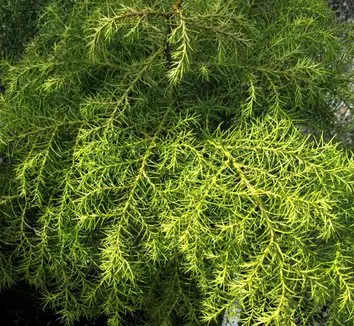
18	25
154	168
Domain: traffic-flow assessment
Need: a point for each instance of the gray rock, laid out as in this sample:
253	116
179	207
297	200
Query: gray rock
343	8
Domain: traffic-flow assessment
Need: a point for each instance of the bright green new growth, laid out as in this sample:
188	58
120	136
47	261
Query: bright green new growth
153	167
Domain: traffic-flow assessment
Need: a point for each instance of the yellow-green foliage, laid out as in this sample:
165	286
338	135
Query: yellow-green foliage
154	170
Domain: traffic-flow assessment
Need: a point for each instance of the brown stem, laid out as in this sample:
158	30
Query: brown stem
177	6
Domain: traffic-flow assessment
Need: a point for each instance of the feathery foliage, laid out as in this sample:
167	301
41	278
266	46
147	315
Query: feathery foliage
153	166
18	25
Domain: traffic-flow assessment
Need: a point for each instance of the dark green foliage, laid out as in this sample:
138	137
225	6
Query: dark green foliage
18	25
154	170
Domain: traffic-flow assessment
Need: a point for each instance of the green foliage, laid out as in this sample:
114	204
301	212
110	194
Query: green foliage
18	25
153	166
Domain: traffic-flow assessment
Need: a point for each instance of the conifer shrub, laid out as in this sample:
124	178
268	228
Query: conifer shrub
18	25
154	169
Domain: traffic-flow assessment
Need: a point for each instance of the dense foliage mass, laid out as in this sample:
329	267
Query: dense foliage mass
154	169
18	25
